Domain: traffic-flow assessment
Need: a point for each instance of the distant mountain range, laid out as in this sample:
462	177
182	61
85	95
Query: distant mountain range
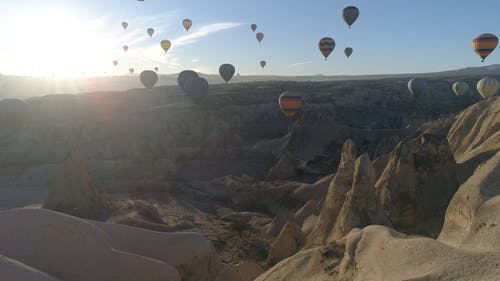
25	87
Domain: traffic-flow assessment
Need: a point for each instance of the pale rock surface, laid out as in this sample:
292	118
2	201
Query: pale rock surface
472	220
11	270
476	131
315	191
69	248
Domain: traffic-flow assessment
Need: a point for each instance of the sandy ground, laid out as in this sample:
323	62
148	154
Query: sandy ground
22	197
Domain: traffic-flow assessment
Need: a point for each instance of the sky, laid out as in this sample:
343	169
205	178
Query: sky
83	37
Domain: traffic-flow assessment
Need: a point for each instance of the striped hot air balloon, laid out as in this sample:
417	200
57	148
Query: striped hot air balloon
460	88
484	44
488	87
290	103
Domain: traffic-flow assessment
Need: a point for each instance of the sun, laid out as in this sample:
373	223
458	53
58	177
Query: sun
54	43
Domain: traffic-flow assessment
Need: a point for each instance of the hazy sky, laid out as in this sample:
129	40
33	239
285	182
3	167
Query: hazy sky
71	37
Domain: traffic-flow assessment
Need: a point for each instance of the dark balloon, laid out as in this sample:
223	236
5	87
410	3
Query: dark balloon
348	51
184	76
417	86
227	72
149	78
350	15
253	27
197	88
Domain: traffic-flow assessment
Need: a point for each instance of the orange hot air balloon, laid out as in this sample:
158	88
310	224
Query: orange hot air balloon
484	44
187	23
290	103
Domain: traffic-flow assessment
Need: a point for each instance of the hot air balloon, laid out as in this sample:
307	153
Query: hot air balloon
184	76
259	36
348	51
131	70
148	78
290	103
156	69
165	44
187	23
227	72
488	87
197	88
125	48
262	63
115	62
484	44
350	15
460	88
417	86
253	27
124	25
150	32
326	46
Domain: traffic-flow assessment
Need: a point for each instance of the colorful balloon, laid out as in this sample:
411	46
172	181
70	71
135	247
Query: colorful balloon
166	44
348	51
259	36
187	23
227	72
460	88
417	86
488	87
184	76
125	48
263	63
326	46
350	15
150	32
115	62
148	79
124	25
131	70
253	27
290	103
484	44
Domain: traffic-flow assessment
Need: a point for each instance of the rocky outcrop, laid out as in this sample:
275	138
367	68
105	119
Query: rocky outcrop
284	169
316	191
472	219
289	241
378	253
13	270
351	201
71	191
476	131
417	184
60	238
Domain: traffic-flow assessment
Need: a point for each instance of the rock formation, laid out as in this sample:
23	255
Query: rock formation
289	241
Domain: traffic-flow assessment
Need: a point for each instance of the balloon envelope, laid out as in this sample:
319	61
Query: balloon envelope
484	45
148	78
165	44
187	23
263	63
150	32
350	15
460	88
326	46
131	70
348	51
197	88
259	36
184	76
156	69
115	62
253	27
227	71
125	48
124	25
417	86
290	103
488	87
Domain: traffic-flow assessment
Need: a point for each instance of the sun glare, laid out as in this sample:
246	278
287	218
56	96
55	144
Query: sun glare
55	43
